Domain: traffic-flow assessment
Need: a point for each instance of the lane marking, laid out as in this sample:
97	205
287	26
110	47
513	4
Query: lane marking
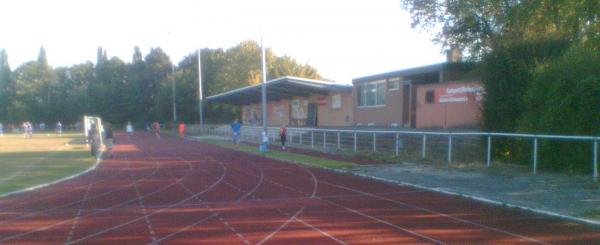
320	231
76	221
439	213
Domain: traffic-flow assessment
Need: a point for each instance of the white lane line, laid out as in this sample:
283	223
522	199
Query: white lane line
366	215
280	227
214	212
320	231
76	221
76	202
438	213
145	213
101	211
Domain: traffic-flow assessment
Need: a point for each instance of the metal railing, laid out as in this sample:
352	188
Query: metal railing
471	147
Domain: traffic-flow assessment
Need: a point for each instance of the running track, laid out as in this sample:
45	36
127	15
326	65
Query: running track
173	191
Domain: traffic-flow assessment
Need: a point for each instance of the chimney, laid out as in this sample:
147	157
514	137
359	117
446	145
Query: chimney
454	55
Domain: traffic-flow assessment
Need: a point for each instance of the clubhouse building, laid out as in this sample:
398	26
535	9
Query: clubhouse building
439	96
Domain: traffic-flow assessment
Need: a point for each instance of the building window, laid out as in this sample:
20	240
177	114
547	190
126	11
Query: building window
429	97
336	101
393	83
371	93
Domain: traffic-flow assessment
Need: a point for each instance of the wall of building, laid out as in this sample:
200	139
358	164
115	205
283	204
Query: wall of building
294	112
380	115
334	113
454	105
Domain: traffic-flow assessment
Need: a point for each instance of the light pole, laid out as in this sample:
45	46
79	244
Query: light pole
173	88
200	95
264	87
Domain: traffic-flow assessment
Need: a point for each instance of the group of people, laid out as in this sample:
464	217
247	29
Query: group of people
236	127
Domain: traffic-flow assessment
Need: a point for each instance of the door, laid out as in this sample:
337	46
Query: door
405	105
311	117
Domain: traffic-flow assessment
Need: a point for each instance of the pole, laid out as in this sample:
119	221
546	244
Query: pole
173	87
264	86
200	95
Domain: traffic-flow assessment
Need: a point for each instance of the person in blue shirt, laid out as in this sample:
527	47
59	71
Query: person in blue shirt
236	127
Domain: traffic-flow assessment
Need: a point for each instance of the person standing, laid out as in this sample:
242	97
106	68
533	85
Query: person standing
95	140
156	128
265	142
236	127
283	136
129	130
181	130
110	139
59	128
29	129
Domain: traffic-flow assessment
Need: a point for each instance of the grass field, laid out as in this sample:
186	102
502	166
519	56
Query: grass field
45	157
284	156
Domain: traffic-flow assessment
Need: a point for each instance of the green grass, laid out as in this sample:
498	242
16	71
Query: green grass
44	158
283	156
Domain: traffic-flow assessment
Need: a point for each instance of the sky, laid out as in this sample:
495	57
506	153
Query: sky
341	39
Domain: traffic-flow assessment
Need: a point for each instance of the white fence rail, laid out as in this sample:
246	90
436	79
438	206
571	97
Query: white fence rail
411	144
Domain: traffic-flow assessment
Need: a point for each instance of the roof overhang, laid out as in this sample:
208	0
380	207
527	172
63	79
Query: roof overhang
281	88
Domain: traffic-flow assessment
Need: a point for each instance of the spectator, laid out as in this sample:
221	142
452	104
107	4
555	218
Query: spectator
236	127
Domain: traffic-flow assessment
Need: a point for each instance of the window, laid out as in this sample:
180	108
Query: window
371	93
336	101
429	97
393	83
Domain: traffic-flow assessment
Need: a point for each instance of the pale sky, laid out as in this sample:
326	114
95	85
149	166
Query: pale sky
341	39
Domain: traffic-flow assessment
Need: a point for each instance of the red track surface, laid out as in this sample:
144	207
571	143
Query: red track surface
172	191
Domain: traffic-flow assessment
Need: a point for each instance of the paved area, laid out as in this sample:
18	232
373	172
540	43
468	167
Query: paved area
576	196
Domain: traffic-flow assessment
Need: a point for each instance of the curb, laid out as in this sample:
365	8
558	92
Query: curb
477	198
55	181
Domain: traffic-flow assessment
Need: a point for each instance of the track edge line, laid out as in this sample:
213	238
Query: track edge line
32	188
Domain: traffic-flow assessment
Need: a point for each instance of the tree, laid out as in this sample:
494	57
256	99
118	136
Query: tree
477	25
6	87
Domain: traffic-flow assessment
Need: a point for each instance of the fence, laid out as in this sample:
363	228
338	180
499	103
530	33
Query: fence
467	147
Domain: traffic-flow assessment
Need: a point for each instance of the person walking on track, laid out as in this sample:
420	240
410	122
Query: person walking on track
156	128
110	139
129	129
94	140
181	130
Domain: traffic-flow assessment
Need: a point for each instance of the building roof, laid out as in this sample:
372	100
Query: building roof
280	88
417	71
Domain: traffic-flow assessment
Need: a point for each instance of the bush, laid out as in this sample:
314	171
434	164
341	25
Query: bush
564	98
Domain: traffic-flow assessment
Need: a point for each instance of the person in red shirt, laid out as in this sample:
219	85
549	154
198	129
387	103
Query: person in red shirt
283	136
181	129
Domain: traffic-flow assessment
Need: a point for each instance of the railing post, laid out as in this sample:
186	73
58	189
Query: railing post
324	140
535	147
338	142
300	137
374	143
449	148
312	138
423	146
355	142
489	150
396	144
595	167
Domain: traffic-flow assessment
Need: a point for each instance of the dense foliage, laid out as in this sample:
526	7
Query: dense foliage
539	63
140	91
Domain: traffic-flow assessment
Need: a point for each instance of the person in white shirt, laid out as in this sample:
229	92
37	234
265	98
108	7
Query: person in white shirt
265	142
129	130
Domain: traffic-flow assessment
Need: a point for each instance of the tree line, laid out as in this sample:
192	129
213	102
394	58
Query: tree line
540	65
139	91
